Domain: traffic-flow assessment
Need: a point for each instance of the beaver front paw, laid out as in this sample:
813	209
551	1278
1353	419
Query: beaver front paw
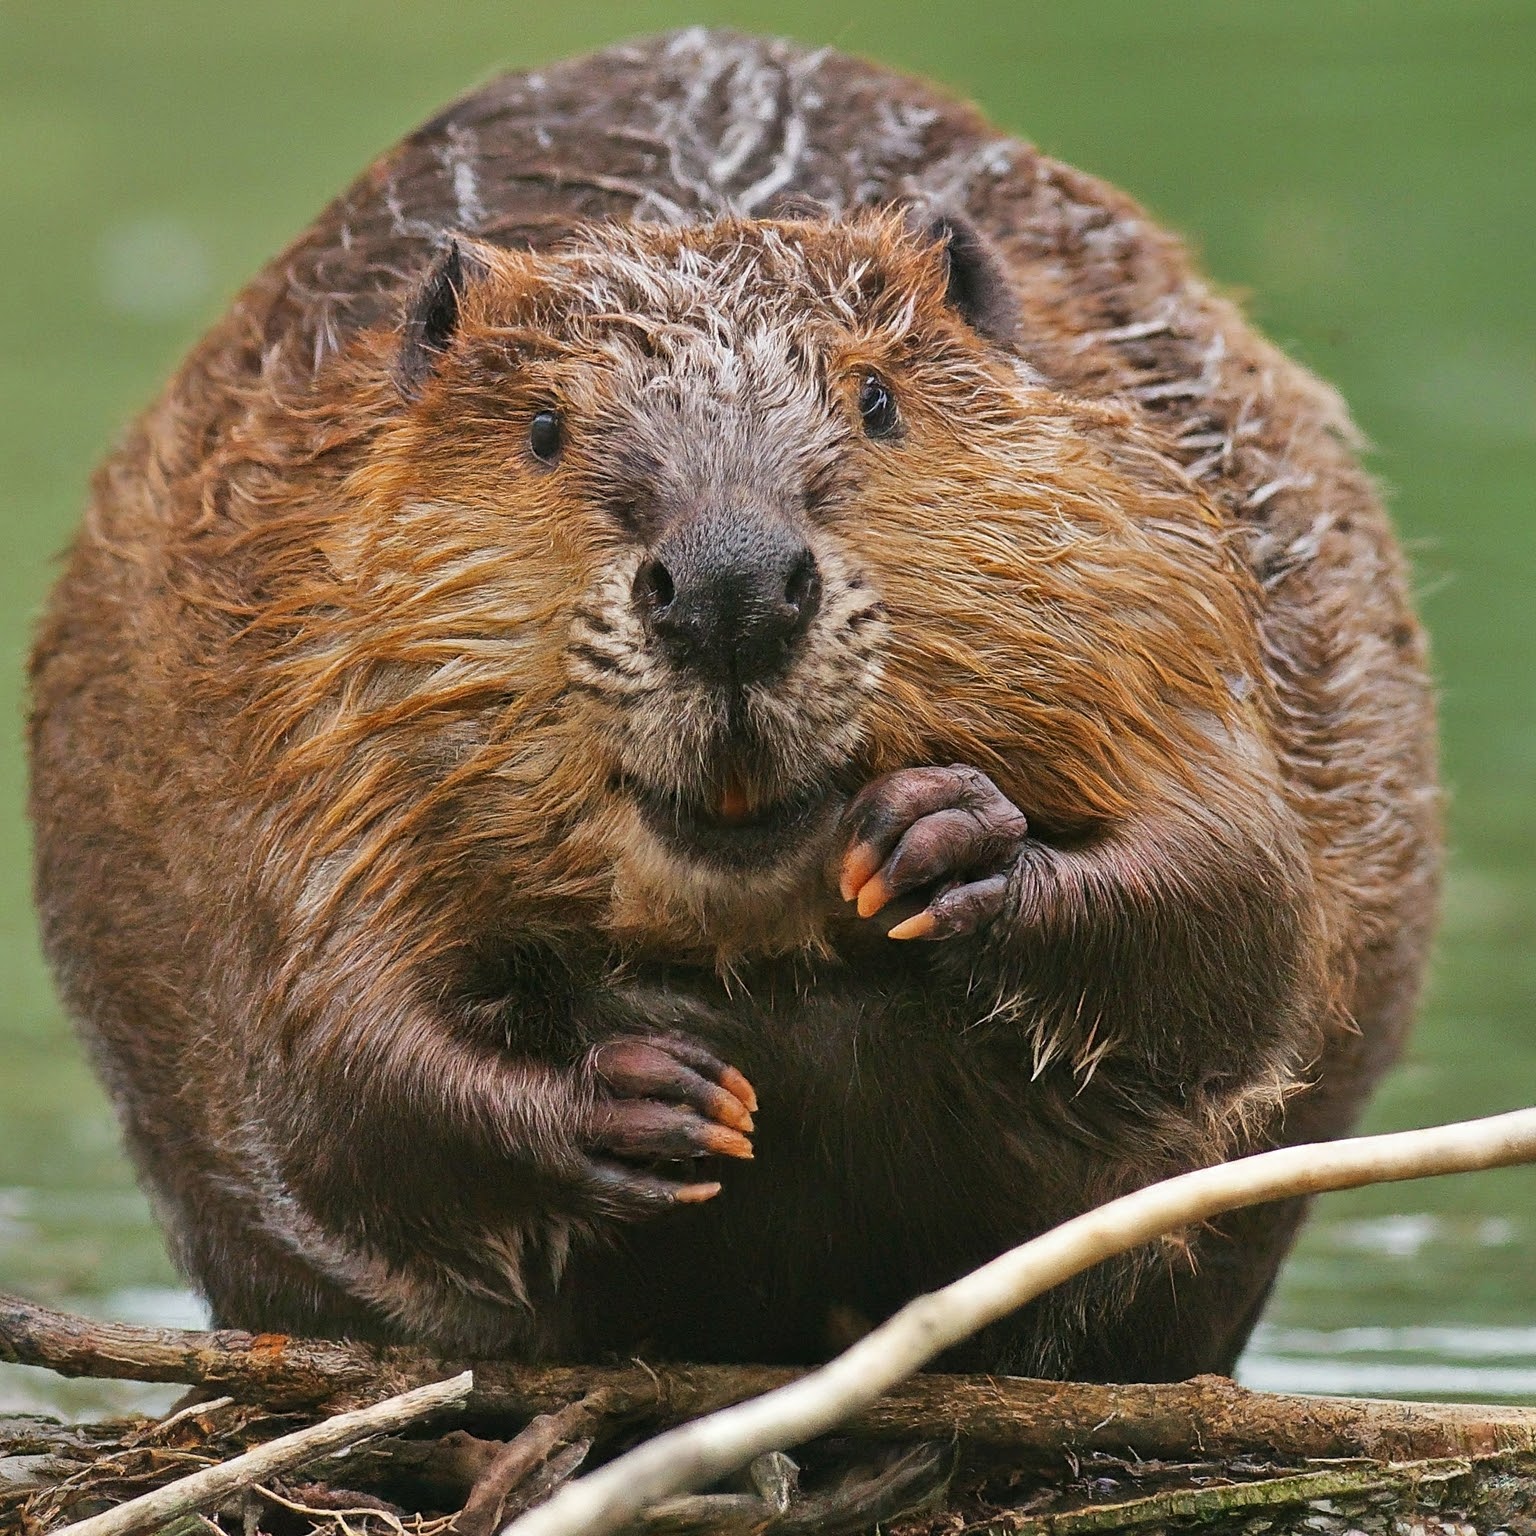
661	1100
948	830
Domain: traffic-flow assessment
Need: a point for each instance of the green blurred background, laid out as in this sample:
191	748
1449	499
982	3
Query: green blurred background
1364	172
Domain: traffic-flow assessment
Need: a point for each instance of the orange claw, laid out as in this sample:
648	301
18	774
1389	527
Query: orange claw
731	1112
920	926
859	863
873	895
734	1083
725	1142
696	1194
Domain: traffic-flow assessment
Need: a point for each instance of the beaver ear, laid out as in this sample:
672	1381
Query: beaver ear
977	286
432	313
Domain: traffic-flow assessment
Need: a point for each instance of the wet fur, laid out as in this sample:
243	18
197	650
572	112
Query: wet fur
335	705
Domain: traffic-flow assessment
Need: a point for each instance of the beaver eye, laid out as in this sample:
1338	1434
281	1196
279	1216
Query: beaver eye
877	408
546	432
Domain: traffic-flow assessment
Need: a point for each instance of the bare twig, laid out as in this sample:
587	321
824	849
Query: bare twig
211	1486
491	1500
1232	1502
696	1454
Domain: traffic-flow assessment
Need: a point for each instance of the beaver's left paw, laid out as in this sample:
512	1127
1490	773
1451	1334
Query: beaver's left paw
949	829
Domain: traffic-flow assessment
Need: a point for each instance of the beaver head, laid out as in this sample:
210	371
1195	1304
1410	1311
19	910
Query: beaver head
674	537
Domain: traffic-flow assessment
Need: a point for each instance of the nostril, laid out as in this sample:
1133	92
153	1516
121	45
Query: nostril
803	587
654	590
727	599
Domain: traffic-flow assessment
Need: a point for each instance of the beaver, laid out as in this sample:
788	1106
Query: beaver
723	693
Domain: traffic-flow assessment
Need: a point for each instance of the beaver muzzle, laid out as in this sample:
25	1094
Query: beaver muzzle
727	596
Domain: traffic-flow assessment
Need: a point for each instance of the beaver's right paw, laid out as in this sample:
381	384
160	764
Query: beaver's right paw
661	1100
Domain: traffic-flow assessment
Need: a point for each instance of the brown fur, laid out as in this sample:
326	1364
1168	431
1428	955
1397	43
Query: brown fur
336	860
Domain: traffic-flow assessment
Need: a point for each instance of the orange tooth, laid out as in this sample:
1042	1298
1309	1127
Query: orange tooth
734	804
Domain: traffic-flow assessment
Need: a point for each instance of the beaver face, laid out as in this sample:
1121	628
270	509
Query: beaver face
806	522
687	413
726	651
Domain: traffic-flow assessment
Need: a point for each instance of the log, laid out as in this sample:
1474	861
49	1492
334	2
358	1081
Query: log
1036	1419
267	1368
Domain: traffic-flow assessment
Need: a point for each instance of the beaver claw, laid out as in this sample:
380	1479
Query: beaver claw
949	829
662	1099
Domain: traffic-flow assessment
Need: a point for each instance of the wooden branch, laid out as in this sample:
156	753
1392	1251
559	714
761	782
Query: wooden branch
493	1499
210	1487
865	1503
267	1368
1039	1419
1230	1503
696	1454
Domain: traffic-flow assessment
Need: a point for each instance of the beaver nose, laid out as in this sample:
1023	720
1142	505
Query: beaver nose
728	597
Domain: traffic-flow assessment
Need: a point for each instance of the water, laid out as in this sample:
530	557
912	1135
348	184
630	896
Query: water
1365	171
